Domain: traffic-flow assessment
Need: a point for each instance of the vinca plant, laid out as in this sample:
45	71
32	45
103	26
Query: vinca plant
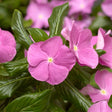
55	56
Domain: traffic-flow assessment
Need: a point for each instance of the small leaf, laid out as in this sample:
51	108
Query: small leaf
110	102
15	68
56	19
9	86
92	81
38	34
100	52
35	102
70	93
18	29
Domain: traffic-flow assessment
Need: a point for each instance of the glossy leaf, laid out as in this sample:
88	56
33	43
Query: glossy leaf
15	68
56	19
19	30
100	52
37	34
34	102
70	93
110	102
9	86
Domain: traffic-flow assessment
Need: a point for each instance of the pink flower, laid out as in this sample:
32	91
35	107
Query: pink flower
84	6
39	13
7	46
105	43
84	23
107	7
80	43
101	106
50	61
104	80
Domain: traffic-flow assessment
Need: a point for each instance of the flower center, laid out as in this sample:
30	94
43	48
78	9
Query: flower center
50	59
103	92
75	48
40	16
82	6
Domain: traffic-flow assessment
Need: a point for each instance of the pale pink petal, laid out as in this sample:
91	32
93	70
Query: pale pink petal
65	58
101	106
52	45
66	33
100	39
35	55
57	74
104	80
40	72
7	53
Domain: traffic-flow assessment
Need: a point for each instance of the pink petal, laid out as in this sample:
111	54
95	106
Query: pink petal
107	7
94	40
104	80
39	72
74	35
7	39
52	45
106	59
57	74
85	36
65	58
101	106
35	55
88	56
7	53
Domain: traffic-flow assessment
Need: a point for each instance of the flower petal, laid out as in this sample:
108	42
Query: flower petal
52	45
104	80
101	106
74	35
65	58
88	56
39	72
7	53
35	55
57	74
94	94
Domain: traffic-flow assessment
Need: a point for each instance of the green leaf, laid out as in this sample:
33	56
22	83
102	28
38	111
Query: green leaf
110	102
38	34
15	68
54	108
56	19
35	102
101	21
100	52
9	86
70	93
92	81
18	29
27	23
3	71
